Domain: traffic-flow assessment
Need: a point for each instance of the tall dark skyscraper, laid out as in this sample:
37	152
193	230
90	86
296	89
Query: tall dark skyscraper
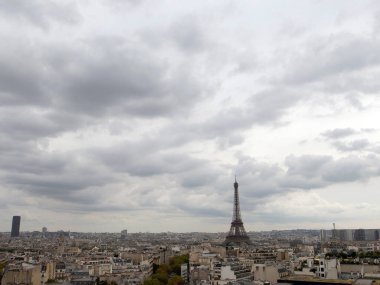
16	226
237	234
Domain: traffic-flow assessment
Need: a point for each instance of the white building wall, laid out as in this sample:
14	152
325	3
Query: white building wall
264	272
327	268
226	273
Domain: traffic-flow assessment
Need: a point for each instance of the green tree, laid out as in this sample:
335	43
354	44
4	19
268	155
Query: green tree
176	262
176	280
352	253
162	272
161	276
152	281
376	254
163	268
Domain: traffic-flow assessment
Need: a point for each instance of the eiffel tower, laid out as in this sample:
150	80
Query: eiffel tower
237	234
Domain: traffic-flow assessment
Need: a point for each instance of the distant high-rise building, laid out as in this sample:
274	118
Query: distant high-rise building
44	231
350	235
360	235
237	234
124	234
16	226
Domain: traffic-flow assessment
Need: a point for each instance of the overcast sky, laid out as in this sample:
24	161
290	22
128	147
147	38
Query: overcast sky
138	114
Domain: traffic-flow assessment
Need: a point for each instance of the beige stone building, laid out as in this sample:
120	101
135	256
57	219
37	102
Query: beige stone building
26	274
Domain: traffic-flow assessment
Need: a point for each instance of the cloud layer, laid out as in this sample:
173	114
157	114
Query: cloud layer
116	114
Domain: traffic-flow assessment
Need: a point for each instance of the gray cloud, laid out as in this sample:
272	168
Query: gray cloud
351	168
188	34
117	79
354	145
338	133
122	3
40	13
332	56
201	176
128	81
62	88
304	173
98	77
64	178
335	136
61	176
144	159
31	123
197	211
343	65
21	86
308	165
263	108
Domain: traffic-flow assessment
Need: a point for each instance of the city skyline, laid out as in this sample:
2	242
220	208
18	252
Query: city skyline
137	114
